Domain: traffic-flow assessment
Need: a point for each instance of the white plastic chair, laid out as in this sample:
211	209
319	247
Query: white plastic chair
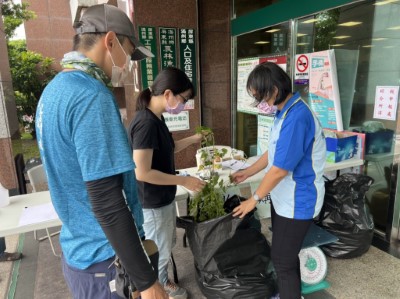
38	180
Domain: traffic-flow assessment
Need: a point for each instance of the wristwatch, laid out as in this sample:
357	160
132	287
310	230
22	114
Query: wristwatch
256	197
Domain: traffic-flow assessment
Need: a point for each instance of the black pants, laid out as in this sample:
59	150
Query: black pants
287	238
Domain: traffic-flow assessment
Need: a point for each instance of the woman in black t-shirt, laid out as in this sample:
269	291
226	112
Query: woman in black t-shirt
153	153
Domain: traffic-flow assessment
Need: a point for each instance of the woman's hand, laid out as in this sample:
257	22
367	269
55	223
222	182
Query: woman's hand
245	207
197	138
238	176
193	184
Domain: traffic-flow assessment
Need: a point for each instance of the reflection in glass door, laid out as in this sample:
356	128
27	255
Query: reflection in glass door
366	39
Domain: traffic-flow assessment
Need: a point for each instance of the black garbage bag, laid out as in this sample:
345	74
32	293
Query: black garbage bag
232	257
346	215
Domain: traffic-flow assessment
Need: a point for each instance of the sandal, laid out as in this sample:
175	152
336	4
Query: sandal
9	257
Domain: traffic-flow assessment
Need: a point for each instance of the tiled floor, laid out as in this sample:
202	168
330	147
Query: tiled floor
374	275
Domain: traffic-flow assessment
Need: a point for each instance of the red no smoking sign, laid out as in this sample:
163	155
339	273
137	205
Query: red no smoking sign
301	75
302	63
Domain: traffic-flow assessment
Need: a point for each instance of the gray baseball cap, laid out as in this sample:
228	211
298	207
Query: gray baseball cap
103	18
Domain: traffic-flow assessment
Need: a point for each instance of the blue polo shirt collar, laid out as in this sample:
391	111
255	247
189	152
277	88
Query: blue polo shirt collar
294	99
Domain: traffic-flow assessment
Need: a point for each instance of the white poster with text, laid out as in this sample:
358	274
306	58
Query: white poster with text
386	98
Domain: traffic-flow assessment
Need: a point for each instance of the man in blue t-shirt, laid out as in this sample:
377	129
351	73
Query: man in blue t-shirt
88	160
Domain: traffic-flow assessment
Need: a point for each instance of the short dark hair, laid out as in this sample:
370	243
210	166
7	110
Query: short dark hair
85	41
264	77
170	78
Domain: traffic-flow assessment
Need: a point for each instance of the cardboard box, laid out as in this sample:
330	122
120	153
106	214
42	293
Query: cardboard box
379	142
341	148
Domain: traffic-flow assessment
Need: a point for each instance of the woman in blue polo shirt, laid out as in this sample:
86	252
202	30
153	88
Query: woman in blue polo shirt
294	165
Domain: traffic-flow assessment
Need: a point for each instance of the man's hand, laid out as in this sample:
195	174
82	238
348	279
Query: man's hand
156	291
245	207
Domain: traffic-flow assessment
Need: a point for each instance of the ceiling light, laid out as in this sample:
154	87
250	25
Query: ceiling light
349	24
385	2
379	38
272	30
337	45
310	21
388	47
368	46
301	34
303	44
342	36
394	28
261	42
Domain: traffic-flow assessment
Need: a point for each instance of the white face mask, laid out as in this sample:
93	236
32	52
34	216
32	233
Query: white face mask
119	74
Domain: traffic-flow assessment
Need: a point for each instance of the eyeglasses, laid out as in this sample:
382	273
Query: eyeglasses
185	100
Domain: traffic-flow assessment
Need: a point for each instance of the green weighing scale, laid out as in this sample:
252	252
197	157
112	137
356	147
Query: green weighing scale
313	263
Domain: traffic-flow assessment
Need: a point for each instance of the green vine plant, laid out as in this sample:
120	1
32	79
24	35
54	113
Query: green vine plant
209	202
211	157
208	135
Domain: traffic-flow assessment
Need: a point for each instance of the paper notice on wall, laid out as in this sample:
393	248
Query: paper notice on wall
245	103
189	105
324	96
265	123
177	122
386	98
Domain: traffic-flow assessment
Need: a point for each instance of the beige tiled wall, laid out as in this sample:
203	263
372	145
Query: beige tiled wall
215	58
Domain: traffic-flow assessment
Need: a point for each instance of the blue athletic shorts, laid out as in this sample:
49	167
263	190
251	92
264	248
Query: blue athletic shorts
93	282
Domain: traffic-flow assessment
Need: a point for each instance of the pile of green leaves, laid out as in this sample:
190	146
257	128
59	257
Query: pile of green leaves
209	202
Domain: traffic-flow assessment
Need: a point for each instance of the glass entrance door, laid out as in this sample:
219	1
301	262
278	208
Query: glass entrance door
366	37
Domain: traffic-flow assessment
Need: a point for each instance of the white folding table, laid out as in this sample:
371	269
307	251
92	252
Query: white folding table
10	215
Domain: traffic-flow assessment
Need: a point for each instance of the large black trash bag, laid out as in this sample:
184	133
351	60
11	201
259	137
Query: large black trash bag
231	256
346	215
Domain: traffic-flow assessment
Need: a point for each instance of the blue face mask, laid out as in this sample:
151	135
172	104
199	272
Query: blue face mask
177	109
